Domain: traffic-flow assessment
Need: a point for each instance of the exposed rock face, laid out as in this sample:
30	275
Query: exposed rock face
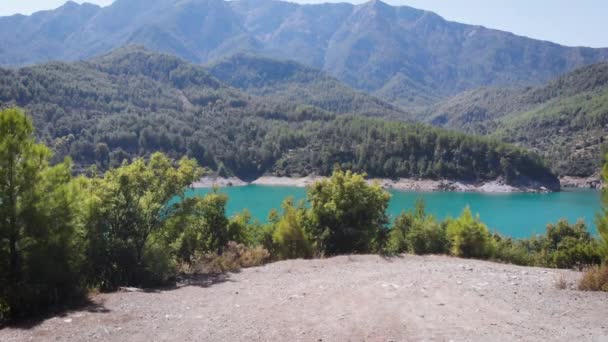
582	183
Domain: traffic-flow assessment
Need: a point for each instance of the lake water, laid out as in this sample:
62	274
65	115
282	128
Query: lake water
517	215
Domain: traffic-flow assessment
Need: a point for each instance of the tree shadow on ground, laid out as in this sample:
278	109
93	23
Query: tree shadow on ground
88	304
197	280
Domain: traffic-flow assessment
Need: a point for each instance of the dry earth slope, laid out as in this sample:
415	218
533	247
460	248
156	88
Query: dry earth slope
347	298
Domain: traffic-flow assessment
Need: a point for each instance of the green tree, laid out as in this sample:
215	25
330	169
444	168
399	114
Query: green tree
289	236
417	232
130	204
41	245
348	215
602	219
469	237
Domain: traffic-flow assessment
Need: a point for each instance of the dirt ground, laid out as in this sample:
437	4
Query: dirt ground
348	298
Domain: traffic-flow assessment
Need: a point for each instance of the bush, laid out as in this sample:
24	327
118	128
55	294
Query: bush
160	265
566	246
241	229
289	237
417	232
595	279
428	237
135	204
347	214
602	219
398	238
235	257
469	237
512	251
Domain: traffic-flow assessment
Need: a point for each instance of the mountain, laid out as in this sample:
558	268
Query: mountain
401	54
132	102
566	120
291	82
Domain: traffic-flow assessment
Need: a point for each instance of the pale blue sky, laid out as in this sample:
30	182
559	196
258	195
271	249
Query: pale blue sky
569	22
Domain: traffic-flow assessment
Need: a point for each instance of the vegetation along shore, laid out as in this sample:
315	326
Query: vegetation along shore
124	227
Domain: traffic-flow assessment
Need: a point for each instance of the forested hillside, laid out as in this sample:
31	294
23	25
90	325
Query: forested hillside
408	56
565	120
291	82
133	102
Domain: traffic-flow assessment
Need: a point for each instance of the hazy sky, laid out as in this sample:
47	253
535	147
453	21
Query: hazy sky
569	22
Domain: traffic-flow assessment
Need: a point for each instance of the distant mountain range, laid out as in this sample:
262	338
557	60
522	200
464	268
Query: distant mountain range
407	56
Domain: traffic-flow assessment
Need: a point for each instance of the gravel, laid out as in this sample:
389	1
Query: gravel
347	298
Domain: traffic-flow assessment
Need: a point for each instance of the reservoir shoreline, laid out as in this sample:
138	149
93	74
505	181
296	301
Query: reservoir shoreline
404	184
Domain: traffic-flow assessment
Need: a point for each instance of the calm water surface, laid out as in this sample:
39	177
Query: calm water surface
516	215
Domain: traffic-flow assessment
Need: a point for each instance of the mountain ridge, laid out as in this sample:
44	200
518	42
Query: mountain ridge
401	54
291	82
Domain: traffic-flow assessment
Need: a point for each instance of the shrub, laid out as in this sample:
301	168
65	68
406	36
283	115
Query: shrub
129	206
235	257
398	239
160	264
428	236
347	214
566	246
240	228
602	219
289	236
469	237
417	232
512	251
595	279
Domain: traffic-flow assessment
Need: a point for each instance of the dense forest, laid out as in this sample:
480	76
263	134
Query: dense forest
134	225
133	102
289	82
566	120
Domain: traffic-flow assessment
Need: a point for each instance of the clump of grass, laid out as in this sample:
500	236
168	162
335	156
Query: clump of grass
595	279
561	282
235	257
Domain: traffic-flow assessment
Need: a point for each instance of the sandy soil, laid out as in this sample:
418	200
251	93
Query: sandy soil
402	184
349	298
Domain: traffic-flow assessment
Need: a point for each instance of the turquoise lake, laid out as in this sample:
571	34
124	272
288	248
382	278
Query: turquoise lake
518	215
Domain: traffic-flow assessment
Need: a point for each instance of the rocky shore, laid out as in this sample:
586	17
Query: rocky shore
593	182
401	184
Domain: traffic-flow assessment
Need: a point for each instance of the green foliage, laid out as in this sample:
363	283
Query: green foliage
565	120
41	231
602	219
132	103
241	229
289	237
418	233
347	214
513	251
469	237
566	246
290	82
429	237
128	207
